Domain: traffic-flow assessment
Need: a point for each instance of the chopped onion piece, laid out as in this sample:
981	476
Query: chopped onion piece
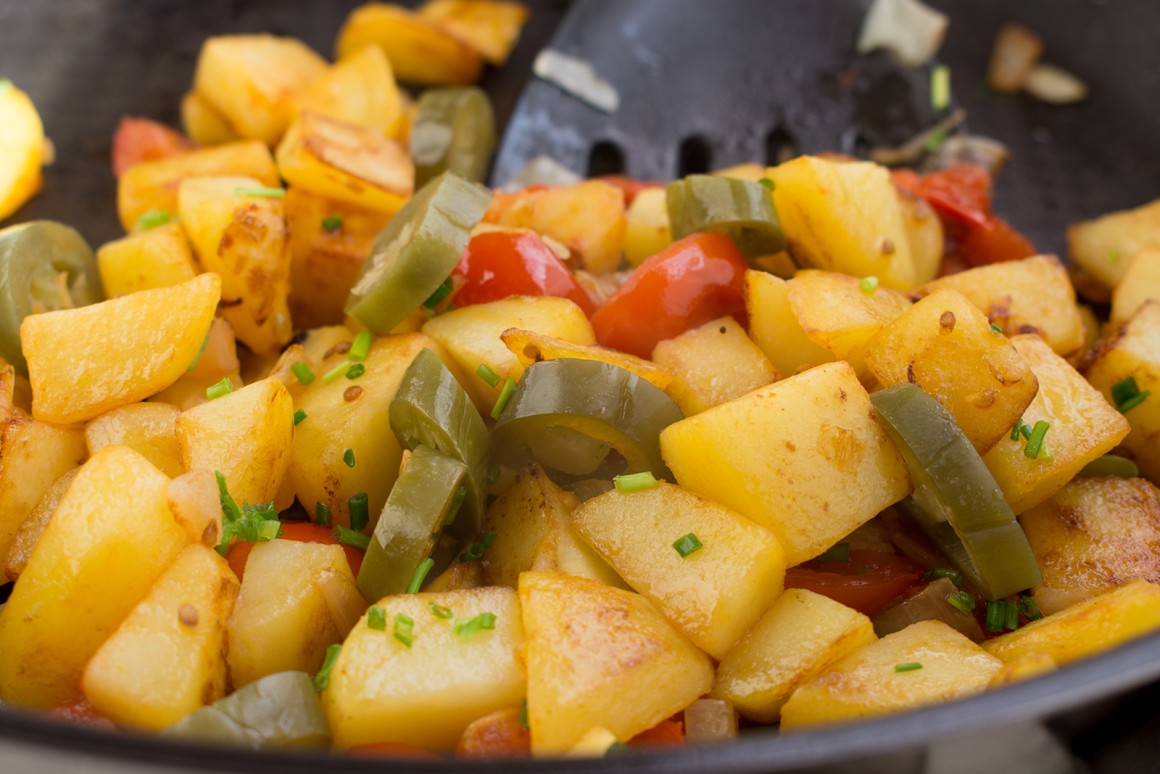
910	31
1016	52
990	154
930	604
601	286
911	151
710	720
542	170
1049	83
343	600
578	78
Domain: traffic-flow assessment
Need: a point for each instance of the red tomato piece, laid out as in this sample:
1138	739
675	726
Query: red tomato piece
139	139
689	283
303	532
669	732
868	582
498	264
960	193
630	186
996	243
81	712
498	735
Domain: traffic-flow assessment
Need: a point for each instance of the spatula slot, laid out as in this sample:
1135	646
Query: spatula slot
694	157
780	146
605	158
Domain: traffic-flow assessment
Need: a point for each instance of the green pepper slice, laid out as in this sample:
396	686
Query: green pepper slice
739	208
956	501
1110	465
415	252
430	408
278	711
422	500
454	129
44	266
585	419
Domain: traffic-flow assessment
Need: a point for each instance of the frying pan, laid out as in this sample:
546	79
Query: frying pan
701	85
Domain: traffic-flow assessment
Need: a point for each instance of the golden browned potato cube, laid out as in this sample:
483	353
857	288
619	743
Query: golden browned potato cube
132	347
775	329
600	656
1082	426
203	123
251	80
110	537
1023	668
153	185
564	551
426	688
714	363
646	226
844	217
1134	352
803	457
21	150
491	27
945	345
1033	295
241	234
30	530
421	52
796	639
842	314
1141	283
460	575
347	163
196	504
359	90
530	347
924	233
1091	536
938	665
1103	247
713	594
1085	628
155	258
521	518
147	428
165	660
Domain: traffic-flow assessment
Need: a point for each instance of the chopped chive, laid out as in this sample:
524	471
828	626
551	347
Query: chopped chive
268	530
420	575
355	371
440	293
687	545
348	537
348	458
935	139
359	511
488	375
961	601
617	748
1011	616
1002	614
405	629
336	372
634	482
868	284
839	552
152	219
332	223
1127	395
302	372
224	387
504	396
524	715
476	548
765	181
934	573
909	666
322	514
1025	431
1017	430
377	619
996	329
200	352
322	679
940	88
299	415
1028	608
1034	445
439	611
261	192
468	628
361	346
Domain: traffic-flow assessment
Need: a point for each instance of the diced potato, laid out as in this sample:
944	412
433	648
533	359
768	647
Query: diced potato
844	217
347	163
1103	247
714	363
1134	352
866	682
775	329
564	551
132	347
147	428
1082	426
153	185
1023	668
165	660
190	391
803	457
110	537
203	123
530	347
1141	283
1033	295
490	27
281	620
945	345
924	233
195	501
21	150
587	218
219	353
1091	536
594	744
836	313
646	226
521	518
802	635
251	80
471	336
347	414
601	656
243	238
460	575
1086	628
156	258
359	90
427	693
245	435
421	52
713	595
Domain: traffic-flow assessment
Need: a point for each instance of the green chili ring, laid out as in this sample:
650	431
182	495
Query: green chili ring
739	208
